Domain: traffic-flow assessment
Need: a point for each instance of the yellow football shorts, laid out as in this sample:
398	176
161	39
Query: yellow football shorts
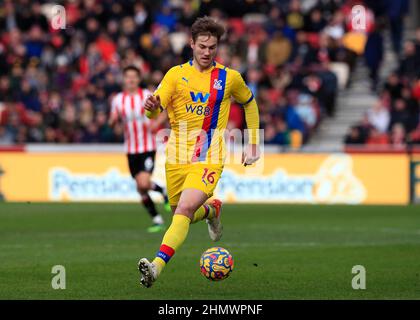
197	175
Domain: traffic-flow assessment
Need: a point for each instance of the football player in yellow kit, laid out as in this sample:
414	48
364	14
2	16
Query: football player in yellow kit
197	96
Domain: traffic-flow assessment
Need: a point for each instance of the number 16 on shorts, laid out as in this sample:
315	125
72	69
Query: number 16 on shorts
208	176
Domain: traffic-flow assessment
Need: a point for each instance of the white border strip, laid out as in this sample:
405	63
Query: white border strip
119	148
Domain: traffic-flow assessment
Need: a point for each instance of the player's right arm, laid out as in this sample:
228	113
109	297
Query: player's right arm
162	97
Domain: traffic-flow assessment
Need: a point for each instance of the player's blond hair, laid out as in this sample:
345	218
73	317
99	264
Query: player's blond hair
206	26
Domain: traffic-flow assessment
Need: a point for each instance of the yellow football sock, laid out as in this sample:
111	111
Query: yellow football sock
172	240
206	211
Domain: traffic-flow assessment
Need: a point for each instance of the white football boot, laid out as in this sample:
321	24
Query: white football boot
214	224
148	272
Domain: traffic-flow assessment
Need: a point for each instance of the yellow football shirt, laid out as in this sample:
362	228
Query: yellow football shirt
198	105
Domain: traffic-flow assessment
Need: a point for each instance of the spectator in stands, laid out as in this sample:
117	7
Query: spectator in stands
306	111
278	50
28	17
401	115
315	21
397	10
295	17
6	136
365	127
293	121
394	86
303	52
398	135
278	134
335	28
410	62
374	53
354	136
379	117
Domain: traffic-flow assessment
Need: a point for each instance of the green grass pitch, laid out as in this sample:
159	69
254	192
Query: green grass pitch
280	252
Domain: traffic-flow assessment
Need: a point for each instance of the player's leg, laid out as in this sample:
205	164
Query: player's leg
207	211
141	168
202	177
156	187
198	186
190	200
175	177
143	181
191	207
205	177
149	167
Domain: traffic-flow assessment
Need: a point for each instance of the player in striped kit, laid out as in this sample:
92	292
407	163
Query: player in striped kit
140	141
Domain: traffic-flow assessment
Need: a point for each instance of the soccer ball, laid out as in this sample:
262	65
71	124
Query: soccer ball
216	263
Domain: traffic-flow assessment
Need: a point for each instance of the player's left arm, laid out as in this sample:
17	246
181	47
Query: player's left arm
113	115
243	95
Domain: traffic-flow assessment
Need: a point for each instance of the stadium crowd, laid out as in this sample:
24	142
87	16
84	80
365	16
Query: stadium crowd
56	85
394	119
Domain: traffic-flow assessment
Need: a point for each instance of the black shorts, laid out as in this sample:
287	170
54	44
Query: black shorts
139	162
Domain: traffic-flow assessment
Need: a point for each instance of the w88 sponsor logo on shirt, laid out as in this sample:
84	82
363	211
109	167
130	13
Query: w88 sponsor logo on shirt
198	110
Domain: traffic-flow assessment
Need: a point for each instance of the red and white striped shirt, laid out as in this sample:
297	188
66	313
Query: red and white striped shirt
130	108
